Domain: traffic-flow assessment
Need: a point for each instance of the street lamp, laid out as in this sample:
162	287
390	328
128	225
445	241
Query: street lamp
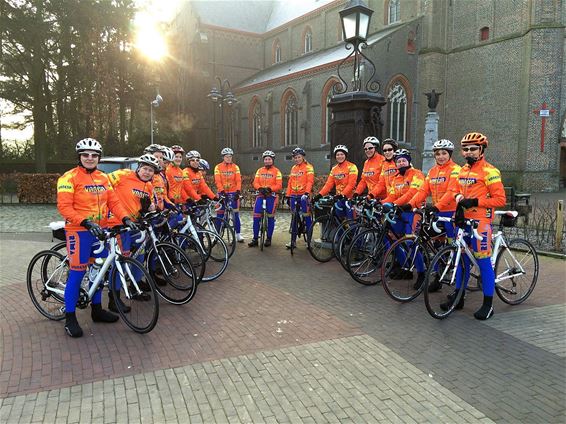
154	103
356	17
221	96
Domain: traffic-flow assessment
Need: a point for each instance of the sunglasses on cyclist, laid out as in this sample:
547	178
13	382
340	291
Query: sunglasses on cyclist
470	149
387	150
368	148
90	155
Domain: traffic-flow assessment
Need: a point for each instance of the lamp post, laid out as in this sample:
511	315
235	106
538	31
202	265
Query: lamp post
356	17
222	96
356	110
154	103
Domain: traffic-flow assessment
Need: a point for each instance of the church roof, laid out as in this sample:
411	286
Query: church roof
310	61
253	15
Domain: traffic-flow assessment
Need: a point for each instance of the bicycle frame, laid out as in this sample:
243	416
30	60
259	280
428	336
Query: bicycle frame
498	242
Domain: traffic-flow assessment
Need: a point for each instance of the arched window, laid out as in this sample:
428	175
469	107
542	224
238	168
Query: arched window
393	11
307	40
276	53
325	110
255	119
290	119
484	34
397	119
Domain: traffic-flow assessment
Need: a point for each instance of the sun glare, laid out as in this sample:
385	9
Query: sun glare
151	43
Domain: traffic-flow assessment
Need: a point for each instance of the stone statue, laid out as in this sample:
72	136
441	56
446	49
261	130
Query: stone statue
432	97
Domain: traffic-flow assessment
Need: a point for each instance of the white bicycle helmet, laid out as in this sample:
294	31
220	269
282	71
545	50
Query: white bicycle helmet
268	153
193	154
227	151
340	148
444	145
88	144
402	153
168	154
152	148
149	159
372	140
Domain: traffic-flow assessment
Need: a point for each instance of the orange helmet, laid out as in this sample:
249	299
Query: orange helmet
474	138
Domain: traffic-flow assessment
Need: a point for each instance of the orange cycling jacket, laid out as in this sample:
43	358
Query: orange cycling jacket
370	174
175	179
160	191
227	177
268	177
481	181
86	195
130	190
301	179
439	183
343	176
404	187
194	185
388	171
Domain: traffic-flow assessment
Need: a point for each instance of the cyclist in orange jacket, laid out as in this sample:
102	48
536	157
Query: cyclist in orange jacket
229	184
299	186
440	183
479	191
136	193
388	170
194	185
175	177
343	177
268	181
372	166
84	197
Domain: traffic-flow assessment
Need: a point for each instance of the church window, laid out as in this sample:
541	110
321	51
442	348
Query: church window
291	121
397	112
276	51
393	11
308	41
256	118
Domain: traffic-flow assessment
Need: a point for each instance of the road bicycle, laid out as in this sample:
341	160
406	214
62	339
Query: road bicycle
399	275
367	249
47	276
321	235
168	264
515	265
221	226
298	226
263	218
210	246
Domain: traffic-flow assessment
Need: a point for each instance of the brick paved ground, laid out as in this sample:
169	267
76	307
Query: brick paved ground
285	339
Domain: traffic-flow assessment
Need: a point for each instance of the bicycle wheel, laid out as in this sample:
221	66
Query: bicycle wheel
344	226
194	251
60	248
176	279
226	232
443	268
217	254
346	241
320	237
131	282
262	230
365	257
399	275
516	271
46	277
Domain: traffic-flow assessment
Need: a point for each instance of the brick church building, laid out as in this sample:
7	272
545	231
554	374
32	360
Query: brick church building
499	65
